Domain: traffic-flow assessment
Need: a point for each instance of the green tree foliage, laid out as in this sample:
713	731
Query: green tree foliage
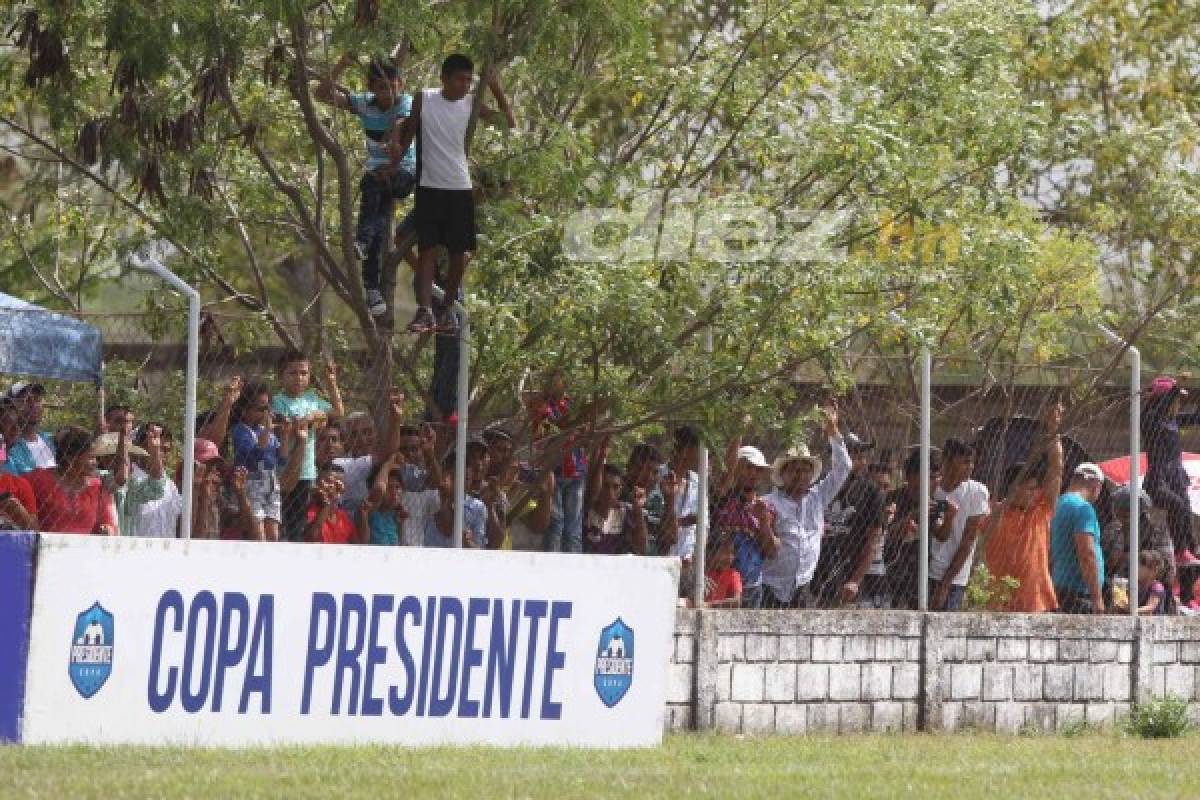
925	127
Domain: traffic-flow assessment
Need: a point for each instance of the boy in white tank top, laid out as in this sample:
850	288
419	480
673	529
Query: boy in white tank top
445	204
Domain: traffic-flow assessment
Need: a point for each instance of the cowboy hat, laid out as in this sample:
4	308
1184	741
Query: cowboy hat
798	452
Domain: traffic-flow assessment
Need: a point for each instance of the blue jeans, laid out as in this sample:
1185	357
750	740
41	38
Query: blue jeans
377	201
565	533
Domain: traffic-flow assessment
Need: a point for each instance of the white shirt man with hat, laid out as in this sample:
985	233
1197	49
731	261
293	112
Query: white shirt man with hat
799	502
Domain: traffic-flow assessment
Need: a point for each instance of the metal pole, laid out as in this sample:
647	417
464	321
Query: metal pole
1135	462
701	547
461	411
923	501
1135	467
151	264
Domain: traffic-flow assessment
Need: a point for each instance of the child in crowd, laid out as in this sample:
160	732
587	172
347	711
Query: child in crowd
1153	598
722	583
383	511
477	522
612	527
327	522
552	407
385	180
256	449
298	401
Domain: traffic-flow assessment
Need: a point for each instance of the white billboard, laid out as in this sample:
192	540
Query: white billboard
155	641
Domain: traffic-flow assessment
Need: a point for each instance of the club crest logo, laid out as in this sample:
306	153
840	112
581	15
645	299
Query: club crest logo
614	663
91	650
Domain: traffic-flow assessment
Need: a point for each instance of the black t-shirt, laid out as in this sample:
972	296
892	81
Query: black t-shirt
857	509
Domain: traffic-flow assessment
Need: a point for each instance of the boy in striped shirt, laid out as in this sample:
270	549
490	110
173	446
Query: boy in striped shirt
380	109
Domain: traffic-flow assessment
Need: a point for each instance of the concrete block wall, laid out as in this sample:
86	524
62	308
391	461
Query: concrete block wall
1046	672
1174	665
761	672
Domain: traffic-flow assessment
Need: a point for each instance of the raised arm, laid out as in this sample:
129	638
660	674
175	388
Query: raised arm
218	427
839	469
595	475
1052	483
433	465
328	91
390	443
338	409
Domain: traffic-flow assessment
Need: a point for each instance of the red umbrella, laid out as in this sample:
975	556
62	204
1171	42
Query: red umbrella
1117	471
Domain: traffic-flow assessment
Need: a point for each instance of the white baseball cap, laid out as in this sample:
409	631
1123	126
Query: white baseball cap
753	456
1090	471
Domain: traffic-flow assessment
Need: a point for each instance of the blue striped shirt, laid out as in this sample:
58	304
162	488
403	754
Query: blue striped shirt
377	128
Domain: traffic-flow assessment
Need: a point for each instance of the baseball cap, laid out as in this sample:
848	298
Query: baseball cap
21	388
753	456
1165	384
856	444
204	451
1089	471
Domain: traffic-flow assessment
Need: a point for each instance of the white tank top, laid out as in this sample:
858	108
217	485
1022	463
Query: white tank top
443	158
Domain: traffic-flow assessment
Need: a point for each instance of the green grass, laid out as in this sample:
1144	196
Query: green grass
959	767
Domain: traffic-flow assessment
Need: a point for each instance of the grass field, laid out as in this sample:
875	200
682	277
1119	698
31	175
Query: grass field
959	767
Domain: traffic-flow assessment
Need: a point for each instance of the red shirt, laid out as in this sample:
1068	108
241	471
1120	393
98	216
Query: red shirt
63	511
19	488
726	583
338	527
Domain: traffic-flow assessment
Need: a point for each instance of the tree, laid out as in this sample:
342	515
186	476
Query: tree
196	123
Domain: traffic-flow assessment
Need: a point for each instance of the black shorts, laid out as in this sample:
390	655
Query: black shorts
446	218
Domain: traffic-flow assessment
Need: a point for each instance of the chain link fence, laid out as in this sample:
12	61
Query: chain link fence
868	551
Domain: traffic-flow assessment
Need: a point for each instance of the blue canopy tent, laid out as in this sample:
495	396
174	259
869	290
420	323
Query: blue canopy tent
45	344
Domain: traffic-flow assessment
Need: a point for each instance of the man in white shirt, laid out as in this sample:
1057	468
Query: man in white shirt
444	206
331	444
952	548
799	505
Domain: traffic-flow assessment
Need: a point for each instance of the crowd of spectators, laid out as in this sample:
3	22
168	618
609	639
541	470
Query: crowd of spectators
285	462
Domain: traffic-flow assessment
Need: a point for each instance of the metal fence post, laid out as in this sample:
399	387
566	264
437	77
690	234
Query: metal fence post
146	261
701	547
923	503
461	410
